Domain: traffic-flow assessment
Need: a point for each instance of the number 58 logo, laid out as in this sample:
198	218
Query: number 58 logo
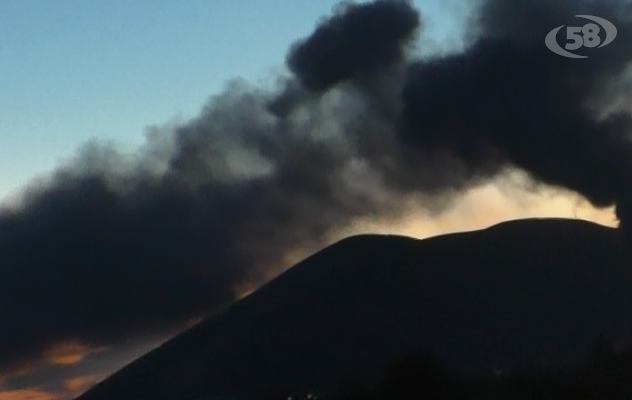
581	36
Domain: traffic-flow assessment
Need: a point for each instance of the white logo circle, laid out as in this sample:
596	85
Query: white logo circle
581	36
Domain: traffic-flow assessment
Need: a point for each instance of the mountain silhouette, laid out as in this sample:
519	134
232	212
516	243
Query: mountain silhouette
525	294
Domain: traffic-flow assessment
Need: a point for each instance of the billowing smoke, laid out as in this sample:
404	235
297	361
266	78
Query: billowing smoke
506	102
117	245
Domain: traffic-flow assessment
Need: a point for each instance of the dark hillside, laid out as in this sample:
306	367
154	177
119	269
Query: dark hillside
531	294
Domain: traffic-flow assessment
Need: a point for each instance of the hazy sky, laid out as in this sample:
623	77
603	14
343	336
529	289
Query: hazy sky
75	70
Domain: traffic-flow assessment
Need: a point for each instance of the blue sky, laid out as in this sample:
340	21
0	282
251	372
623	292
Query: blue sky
74	70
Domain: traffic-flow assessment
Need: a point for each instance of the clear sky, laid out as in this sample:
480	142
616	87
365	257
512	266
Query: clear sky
73	70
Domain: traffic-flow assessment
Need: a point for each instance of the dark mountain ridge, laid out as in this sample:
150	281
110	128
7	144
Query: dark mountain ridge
531	294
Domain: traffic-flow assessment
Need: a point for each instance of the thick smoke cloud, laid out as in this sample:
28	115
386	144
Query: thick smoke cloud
118	245
361	41
507	101
510	100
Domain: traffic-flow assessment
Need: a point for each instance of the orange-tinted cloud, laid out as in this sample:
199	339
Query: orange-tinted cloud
58	375
69	353
28	394
76	386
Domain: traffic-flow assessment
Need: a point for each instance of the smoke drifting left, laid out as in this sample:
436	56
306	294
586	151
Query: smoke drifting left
113	246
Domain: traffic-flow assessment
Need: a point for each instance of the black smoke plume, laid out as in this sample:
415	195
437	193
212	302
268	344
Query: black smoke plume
117	245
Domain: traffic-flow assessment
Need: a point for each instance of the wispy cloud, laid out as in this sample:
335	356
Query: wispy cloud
69	353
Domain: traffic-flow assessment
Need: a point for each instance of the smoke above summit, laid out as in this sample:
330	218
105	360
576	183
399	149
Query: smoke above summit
117	245
507	101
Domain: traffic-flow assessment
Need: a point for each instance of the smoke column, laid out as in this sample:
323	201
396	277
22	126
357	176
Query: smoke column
116	245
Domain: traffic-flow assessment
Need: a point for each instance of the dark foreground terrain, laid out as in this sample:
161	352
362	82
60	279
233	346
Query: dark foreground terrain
420	376
528	295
